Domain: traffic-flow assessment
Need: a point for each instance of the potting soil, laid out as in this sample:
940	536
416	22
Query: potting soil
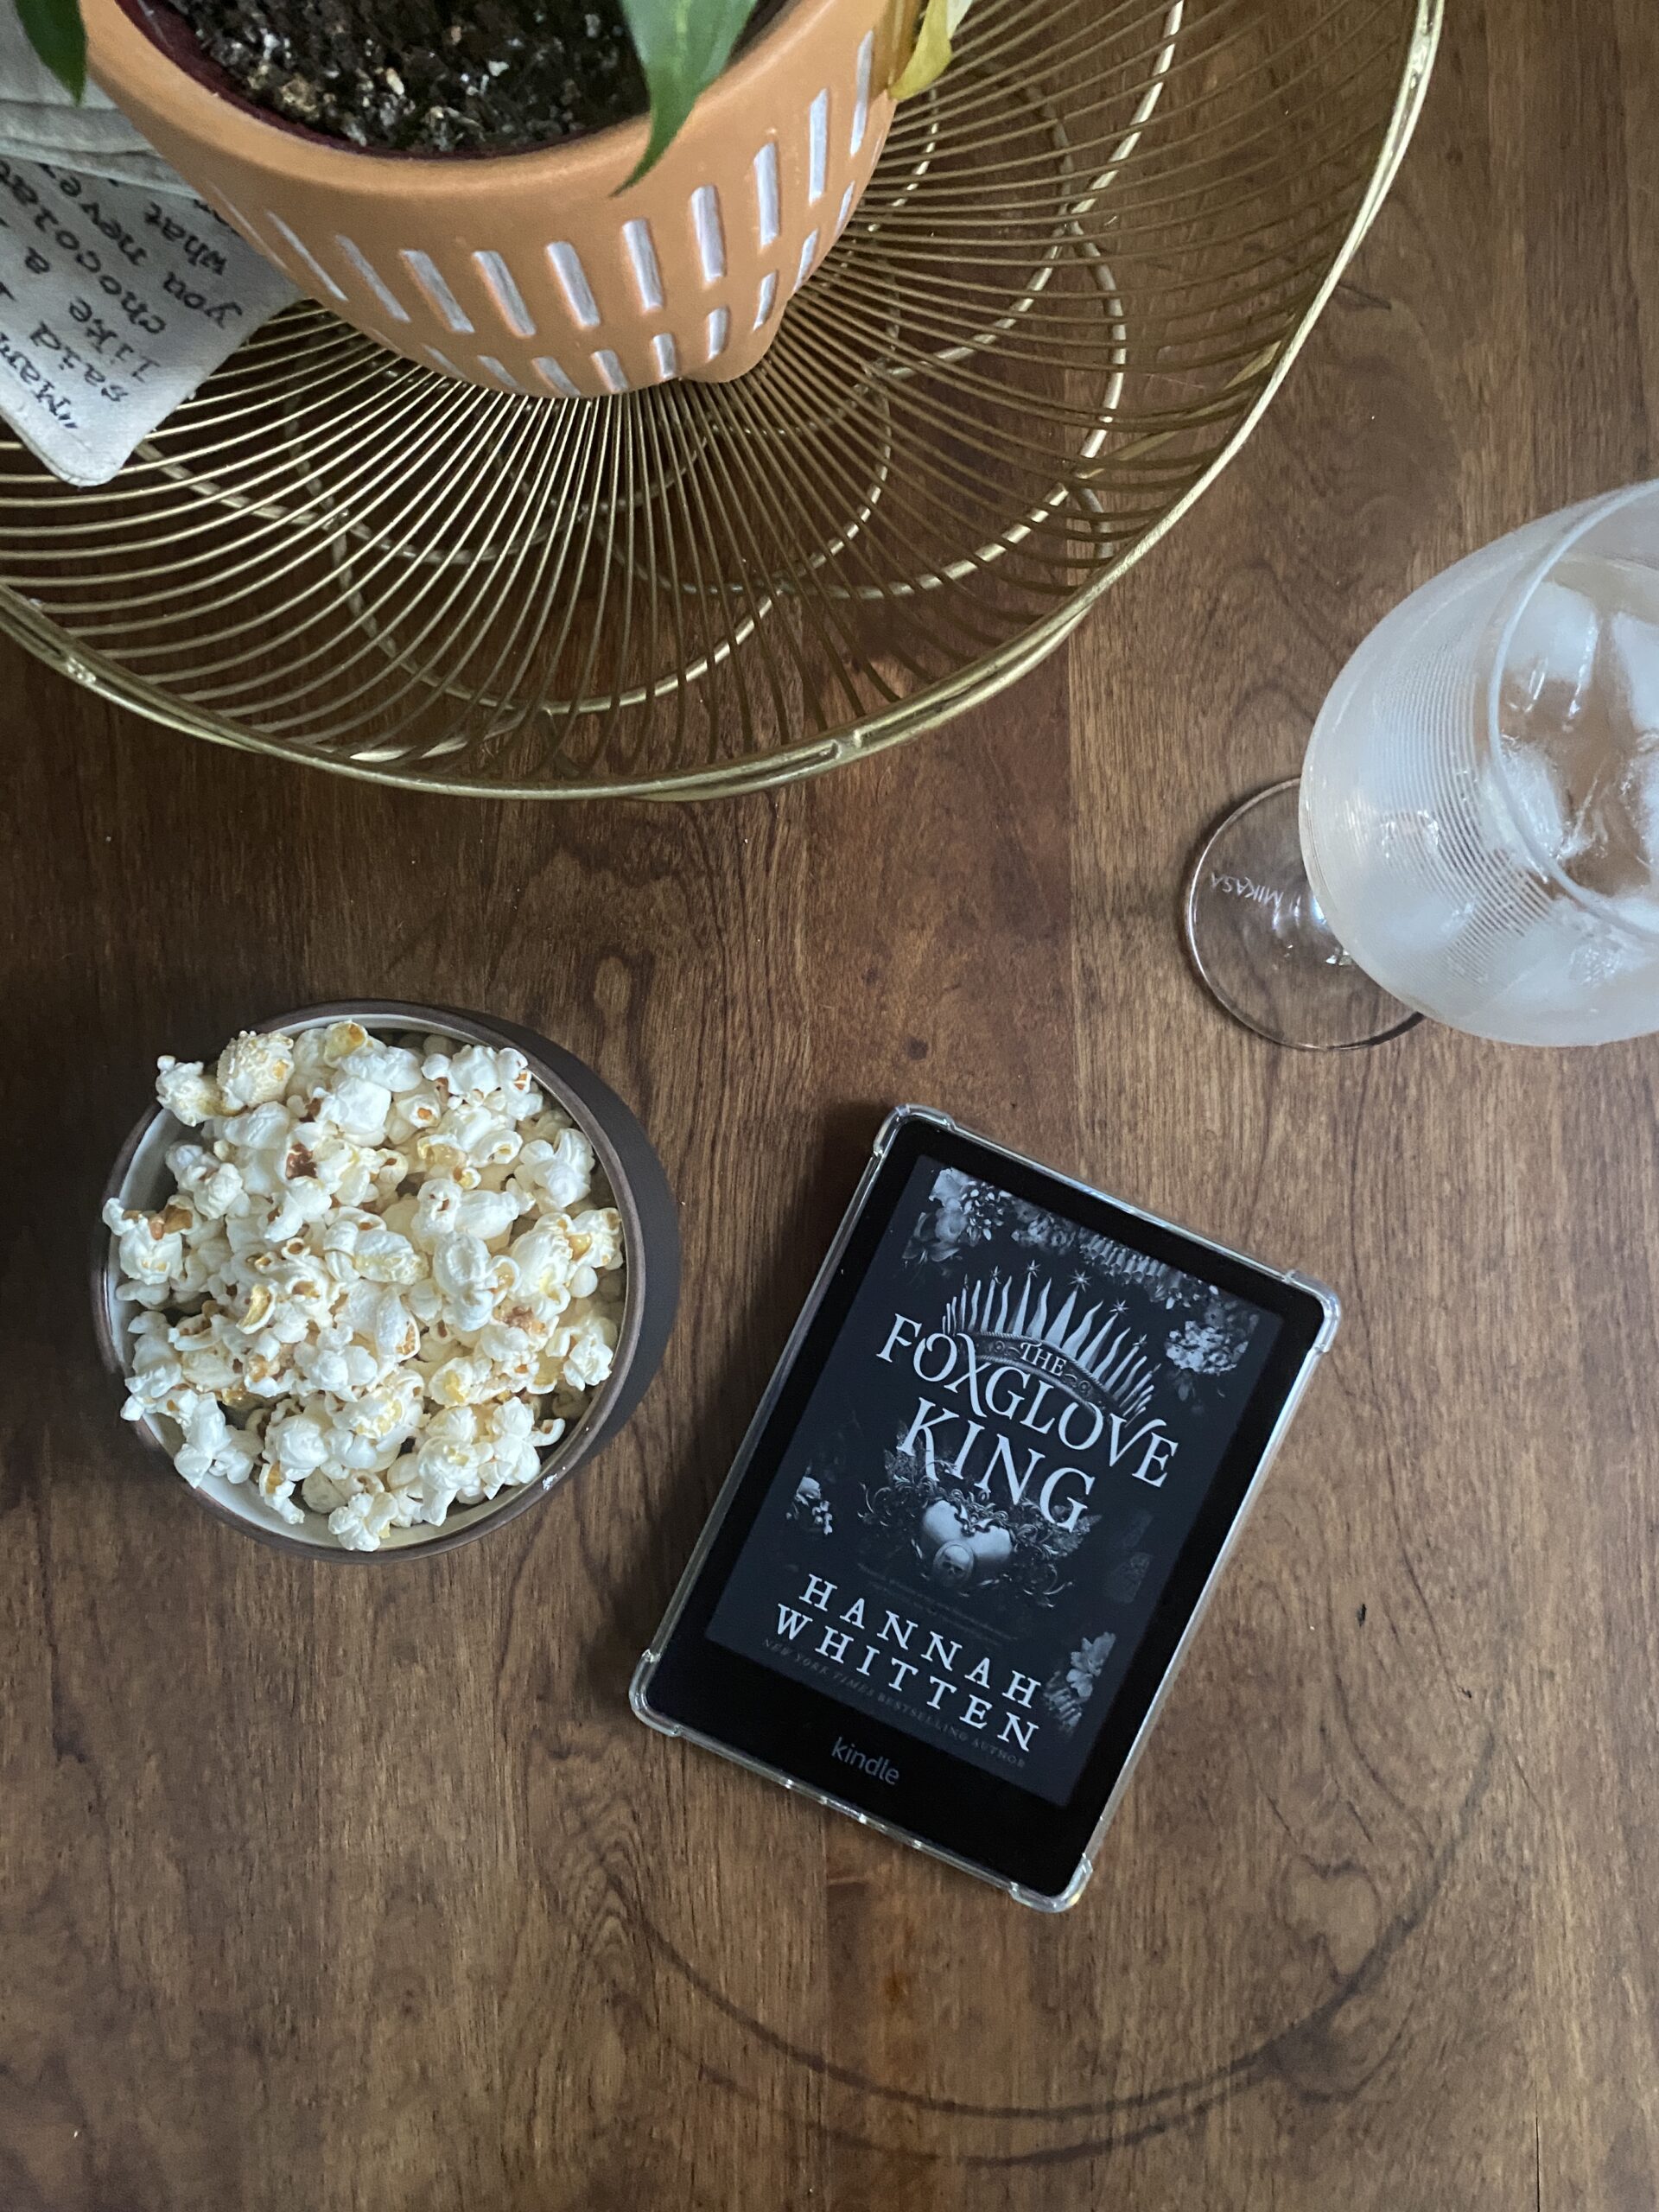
428	76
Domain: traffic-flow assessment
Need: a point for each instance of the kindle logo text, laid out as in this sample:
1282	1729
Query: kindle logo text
877	1769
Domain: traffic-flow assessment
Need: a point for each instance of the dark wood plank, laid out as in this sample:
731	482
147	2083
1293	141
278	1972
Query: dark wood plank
318	1893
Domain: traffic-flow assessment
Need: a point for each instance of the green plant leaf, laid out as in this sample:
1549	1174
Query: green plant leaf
55	31
683	46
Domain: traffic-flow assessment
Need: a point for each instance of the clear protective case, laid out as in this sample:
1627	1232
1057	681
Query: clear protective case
640	1687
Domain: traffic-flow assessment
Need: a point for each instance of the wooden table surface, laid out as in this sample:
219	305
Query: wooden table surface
322	1889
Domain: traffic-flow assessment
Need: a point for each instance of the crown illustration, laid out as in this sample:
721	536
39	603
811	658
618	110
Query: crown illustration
1041	1330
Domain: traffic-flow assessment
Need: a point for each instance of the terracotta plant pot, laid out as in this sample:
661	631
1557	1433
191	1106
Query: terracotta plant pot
545	272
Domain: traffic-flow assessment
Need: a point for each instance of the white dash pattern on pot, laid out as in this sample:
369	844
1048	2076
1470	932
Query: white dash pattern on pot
566	265
371	276
766	194
297	245
553	377
642	258
435	286
817	146
491	367
711	236
498	282
861	91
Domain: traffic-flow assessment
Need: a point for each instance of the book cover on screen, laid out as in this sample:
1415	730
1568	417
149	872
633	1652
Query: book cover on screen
992	1477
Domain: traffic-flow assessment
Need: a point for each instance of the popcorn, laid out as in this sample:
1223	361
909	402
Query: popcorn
386	1415
503	1148
588	1355
413	1112
214	1186
323	1489
388	1274
298	1443
448	1470
254	1068
558	1172
205	1433
596	1238
510	1353
357	1108
459	1381
278	1494
391	1328
381	1255
545	1259
299	1204
513	1455
470	1129
473	1071
340	1040
461	1269
150	1246
487	1215
393	1066
437	1209
188	1095
359	1524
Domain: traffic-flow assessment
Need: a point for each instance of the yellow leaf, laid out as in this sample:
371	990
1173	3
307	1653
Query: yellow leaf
929	56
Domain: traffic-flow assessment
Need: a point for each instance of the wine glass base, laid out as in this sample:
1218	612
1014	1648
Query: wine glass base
1261	945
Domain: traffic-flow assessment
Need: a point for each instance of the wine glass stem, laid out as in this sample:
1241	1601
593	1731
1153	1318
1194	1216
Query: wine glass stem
1262	941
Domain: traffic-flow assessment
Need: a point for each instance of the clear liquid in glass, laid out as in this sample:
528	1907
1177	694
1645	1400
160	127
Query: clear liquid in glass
1480	800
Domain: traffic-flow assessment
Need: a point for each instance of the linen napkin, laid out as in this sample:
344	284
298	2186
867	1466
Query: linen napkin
119	290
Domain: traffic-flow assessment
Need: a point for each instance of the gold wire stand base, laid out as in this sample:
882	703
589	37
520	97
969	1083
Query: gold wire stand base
1086	260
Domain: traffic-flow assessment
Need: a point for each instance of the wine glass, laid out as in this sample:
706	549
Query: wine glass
1475	832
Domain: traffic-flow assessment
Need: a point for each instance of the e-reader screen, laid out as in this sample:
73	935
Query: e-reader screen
989	1485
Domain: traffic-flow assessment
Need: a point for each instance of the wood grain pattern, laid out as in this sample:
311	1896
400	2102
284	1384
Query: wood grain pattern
364	1894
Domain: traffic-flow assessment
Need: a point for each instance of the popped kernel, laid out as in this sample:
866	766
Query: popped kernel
188	1095
253	1068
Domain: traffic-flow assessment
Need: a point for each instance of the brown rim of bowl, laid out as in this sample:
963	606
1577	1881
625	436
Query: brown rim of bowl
562	1458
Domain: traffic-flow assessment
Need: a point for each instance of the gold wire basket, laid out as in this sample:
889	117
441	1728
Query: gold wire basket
1087	259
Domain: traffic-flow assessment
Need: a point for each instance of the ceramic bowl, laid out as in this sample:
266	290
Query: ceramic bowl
140	1178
